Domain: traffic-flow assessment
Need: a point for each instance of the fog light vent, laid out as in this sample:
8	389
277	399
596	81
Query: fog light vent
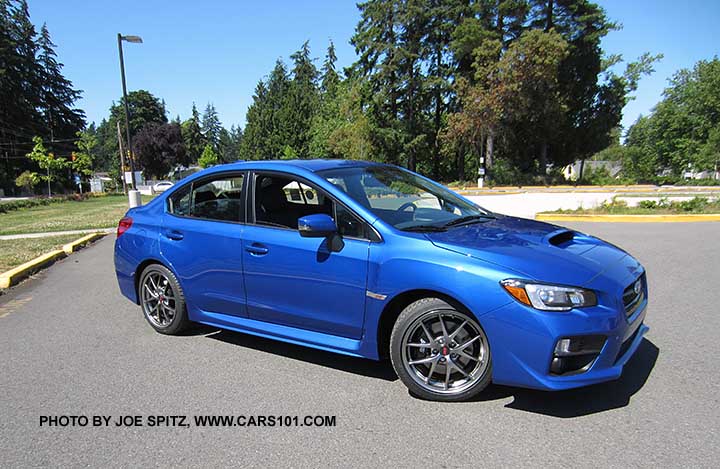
576	354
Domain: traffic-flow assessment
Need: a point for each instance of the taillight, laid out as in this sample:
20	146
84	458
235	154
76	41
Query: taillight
124	225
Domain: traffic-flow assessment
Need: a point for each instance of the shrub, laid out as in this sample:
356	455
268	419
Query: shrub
614	205
39	201
650	204
696	204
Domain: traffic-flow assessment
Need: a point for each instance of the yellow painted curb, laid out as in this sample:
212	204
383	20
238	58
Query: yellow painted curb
669	218
69	248
12	276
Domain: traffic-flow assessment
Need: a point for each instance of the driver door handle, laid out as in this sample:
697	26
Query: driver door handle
257	249
174	235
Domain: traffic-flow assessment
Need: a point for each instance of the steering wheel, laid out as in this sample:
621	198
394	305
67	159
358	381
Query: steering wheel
407	205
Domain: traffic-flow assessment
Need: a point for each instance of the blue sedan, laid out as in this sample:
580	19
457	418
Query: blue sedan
375	261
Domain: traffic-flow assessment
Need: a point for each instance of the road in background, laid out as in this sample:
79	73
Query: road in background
71	345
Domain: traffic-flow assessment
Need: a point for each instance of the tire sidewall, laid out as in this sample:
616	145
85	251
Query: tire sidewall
180	320
407	318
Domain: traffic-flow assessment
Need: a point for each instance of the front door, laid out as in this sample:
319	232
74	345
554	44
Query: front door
296	281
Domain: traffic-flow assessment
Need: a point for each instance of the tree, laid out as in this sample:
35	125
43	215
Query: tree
82	159
31	84
193	135
46	161
302	101
330	79
229	147
682	131
268	127
144	109
27	180
58	95
208	157
159	148
211	126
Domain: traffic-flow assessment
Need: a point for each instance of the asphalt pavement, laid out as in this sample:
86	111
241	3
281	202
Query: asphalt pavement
70	344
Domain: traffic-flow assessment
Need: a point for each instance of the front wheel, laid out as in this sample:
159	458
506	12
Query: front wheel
440	353
162	300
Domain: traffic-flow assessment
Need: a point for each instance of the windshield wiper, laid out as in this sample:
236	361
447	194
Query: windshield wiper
468	219
424	228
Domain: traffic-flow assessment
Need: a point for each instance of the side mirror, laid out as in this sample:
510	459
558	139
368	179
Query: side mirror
318	225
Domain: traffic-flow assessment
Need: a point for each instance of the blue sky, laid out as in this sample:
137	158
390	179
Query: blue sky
216	51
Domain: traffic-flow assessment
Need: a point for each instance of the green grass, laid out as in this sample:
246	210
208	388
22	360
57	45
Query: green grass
95	212
14	252
650	207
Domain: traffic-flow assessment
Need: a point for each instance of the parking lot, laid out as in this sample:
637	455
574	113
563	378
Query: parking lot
71	345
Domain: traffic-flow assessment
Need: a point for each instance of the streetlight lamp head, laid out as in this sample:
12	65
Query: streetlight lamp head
135	39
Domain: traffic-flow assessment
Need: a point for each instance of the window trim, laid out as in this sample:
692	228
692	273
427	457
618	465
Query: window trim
250	207
204	180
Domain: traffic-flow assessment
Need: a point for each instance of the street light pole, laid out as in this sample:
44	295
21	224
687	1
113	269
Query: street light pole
120	39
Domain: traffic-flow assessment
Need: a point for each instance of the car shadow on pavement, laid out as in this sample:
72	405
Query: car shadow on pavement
587	400
370	368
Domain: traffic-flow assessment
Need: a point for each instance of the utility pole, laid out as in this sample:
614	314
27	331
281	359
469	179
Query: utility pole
127	110
133	195
122	159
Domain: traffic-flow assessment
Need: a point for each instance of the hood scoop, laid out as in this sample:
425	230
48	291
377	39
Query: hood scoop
561	239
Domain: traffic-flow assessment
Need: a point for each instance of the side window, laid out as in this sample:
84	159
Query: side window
281	200
179	203
348	224
216	199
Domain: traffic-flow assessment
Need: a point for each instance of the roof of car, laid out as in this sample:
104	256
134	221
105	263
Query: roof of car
310	165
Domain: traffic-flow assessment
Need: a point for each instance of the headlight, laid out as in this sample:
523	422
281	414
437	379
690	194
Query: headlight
549	297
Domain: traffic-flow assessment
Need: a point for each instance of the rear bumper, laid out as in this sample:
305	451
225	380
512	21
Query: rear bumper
125	265
522	342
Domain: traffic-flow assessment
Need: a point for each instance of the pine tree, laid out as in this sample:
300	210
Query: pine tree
193	136
376	42
268	129
58	95
211	126
302	101
330	78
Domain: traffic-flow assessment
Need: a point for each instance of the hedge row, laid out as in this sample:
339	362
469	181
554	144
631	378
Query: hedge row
39	201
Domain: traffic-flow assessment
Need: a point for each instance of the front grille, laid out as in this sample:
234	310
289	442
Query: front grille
633	295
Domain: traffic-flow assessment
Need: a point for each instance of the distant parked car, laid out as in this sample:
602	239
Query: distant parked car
162	186
375	261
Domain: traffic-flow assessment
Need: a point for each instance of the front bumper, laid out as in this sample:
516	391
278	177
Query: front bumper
522	342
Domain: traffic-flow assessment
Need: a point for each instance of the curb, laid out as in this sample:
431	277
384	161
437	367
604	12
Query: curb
669	218
13	276
69	248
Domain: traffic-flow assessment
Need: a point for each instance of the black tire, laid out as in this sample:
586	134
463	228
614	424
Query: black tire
410	345
179	321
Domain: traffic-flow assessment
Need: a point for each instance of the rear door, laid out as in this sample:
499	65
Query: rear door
302	282
201	236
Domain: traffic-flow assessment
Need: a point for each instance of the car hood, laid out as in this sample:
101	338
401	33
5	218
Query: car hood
534	249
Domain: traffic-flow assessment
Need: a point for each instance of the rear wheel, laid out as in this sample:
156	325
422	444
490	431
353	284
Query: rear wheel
162	300
440	353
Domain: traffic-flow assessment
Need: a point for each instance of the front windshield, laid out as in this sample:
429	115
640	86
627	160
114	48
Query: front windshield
403	199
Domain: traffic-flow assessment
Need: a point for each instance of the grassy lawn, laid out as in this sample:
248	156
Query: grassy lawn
650	207
14	252
96	212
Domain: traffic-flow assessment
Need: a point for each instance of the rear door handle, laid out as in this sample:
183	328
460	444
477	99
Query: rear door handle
257	249
174	235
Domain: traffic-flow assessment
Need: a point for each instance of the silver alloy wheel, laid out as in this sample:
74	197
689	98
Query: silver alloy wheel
445	351
158	299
